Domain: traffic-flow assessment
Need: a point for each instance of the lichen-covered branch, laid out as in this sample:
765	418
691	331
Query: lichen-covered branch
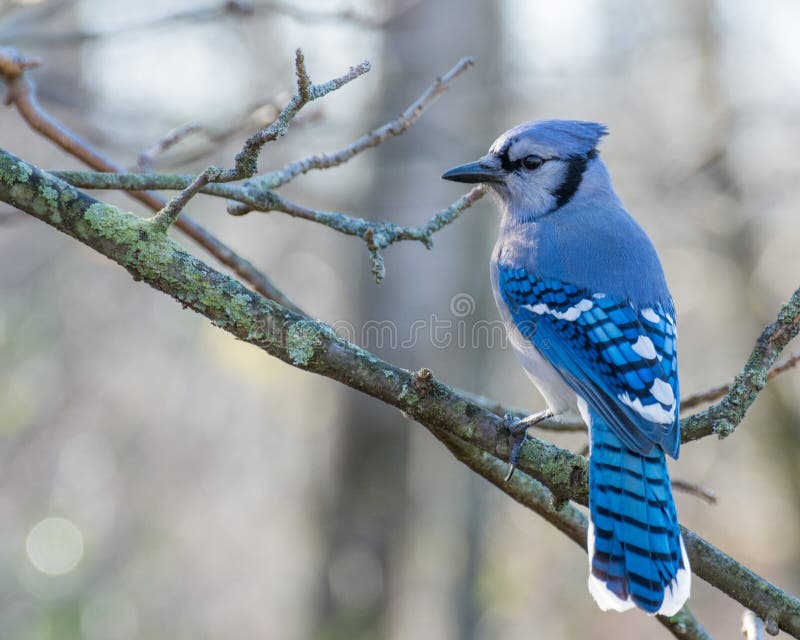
376	235
715	393
723	417
257	193
778	609
692	427
22	94
151	255
569	520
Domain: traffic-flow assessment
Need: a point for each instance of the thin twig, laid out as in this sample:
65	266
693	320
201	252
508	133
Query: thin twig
722	418
715	393
246	162
369	140
257	194
247	158
687	402
376	235
695	489
173	137
226	9
22	94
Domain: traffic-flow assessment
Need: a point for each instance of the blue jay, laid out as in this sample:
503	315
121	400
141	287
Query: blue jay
582	293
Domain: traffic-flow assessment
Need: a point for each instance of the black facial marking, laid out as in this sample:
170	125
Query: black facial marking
572	180
520	164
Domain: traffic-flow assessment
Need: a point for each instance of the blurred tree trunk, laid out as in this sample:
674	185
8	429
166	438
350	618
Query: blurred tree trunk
394	480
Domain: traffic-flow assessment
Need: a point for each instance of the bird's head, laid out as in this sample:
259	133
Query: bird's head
536	167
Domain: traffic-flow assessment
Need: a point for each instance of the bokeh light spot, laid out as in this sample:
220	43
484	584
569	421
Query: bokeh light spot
54	546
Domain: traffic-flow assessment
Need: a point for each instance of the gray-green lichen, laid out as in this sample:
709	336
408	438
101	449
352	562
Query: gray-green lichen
18	172
302	339
408	395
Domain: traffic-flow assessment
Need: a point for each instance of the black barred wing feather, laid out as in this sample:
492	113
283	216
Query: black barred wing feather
622	360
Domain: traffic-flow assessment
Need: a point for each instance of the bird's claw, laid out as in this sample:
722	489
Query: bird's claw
518	431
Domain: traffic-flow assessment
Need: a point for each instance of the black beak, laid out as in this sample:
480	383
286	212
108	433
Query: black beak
474	172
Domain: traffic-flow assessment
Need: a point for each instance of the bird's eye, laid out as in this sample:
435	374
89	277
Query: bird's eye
532	162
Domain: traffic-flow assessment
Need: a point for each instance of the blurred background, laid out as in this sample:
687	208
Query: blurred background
159	479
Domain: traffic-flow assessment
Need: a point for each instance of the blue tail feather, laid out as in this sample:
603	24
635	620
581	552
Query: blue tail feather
637	552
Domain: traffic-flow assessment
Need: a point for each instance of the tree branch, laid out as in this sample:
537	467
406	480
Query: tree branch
22	94
376	235
695	490
391	129
170	139
257	194
149	255
225	9
569	520
715	393
723	417
246	162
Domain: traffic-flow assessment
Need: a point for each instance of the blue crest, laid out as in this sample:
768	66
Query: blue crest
558	138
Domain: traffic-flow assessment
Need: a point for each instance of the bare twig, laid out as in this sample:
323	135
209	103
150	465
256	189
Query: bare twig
168	215
369	140
247	158
690	426
722	418
695	489
377	235
258	193
715	393
236	9
22	94
13	64
246	162
172	138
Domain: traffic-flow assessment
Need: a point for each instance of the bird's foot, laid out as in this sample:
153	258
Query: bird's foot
518	431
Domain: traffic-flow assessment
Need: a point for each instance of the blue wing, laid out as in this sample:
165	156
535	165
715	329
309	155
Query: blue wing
622	360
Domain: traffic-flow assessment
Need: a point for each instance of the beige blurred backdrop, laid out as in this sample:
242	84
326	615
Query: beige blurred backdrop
159	479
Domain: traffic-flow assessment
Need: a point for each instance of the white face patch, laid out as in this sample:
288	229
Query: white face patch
570	315
654	412
650	315
662	392
644	347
